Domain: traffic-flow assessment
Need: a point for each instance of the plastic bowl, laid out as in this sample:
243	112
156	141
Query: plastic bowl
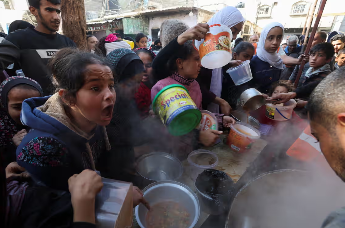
241	74
199	160
242	136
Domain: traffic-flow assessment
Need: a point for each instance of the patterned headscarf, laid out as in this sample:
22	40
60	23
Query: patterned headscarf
120	59
12	82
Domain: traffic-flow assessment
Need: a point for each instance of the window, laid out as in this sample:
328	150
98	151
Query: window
154	33
7	5
240	5
300	8
246	29
264	11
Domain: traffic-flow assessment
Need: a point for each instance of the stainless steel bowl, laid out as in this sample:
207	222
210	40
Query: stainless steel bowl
169	191
159	166
251	99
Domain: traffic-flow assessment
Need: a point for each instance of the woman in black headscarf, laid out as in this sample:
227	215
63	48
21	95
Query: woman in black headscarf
125	126
13	91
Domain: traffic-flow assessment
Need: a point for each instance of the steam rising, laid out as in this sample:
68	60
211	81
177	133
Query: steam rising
289	199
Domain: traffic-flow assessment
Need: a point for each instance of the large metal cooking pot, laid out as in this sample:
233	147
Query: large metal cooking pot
286	199
251	99
169	191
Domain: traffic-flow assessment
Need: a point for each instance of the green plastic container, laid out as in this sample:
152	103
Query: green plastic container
176	109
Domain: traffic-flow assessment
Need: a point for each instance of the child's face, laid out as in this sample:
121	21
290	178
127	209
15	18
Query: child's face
142	43
147	60
95	100
273	39
318	59
16	96
280	89
244	55
190	67
338	45
341	60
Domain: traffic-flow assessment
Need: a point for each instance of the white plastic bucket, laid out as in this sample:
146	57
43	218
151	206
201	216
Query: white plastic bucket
241	74
280	113
215	49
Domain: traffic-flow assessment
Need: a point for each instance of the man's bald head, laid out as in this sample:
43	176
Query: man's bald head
254	39
328	100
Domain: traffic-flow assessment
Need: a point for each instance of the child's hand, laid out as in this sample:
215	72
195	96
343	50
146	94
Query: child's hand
13	169
83	188
138	197
17	138
225	108
209	137
235	63
227	121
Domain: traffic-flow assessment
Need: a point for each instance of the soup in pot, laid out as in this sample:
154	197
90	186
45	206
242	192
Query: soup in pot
167	214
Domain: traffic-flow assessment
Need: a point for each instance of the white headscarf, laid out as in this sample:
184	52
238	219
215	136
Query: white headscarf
109	47
229	16
271	58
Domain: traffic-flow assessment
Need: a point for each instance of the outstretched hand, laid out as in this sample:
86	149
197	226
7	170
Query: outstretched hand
227	121
197	32
281	97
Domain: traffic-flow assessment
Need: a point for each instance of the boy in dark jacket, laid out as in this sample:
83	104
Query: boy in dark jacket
320	56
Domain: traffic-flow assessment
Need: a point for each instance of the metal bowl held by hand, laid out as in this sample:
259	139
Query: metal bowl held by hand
251	99
166	192
159	166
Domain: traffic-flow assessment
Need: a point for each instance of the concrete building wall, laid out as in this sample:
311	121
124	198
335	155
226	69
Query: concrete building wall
155	22
135	25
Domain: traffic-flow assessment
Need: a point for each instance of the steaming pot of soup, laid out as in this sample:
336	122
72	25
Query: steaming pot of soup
286	199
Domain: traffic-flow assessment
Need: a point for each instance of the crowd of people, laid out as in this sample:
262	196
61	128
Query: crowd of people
70	116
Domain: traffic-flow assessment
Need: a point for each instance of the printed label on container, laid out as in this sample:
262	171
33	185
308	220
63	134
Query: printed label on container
208	122
270	112
172	102
212	43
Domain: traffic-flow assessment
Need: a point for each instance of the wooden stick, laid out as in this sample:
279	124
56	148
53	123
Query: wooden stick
305	24
310	22
317	21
